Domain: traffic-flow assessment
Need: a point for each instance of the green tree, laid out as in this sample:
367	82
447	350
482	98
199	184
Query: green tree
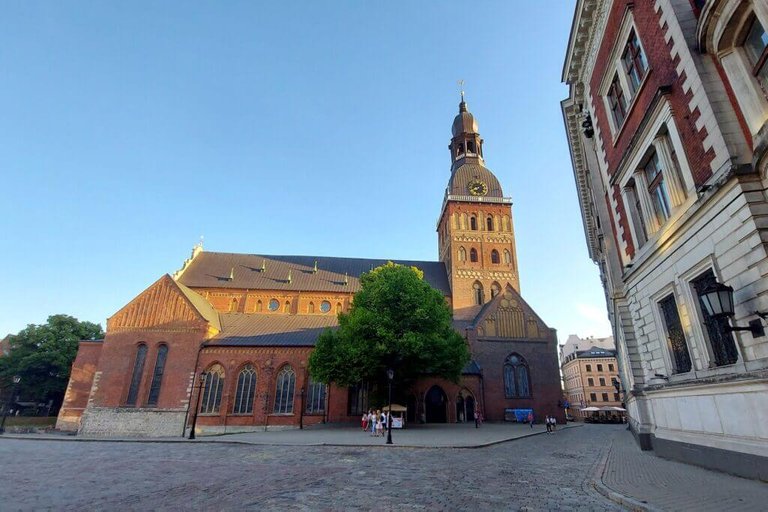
43	354
398	321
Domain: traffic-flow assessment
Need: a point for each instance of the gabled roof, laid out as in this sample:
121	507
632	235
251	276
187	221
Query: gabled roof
213	270
508	316
258	330
203	306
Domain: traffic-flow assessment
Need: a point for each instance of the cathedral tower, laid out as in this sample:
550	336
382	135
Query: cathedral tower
475	233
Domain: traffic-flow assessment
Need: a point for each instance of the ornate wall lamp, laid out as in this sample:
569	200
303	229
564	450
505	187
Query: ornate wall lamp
718	301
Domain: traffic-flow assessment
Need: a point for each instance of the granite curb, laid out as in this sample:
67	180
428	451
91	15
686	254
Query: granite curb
203	440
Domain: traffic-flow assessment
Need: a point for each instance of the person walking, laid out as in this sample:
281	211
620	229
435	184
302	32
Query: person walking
364	421
554	424
548	422
478	418
372	423
530	418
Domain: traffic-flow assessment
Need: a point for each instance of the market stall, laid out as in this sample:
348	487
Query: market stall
398	414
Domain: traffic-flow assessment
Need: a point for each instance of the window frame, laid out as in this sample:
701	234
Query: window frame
210	407
244	405
157	375
285	398
520	372
137	375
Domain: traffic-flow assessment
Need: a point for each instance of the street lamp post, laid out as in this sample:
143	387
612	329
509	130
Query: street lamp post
301	413
390	376
16	380
200	385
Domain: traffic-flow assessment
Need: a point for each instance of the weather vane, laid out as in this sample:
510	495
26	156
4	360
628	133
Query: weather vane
461	89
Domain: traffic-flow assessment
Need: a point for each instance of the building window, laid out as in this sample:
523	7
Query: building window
681	359
315	397
286	382
495	256
212	389
338	308
478	292
599	367
636	212
473	223
325	306
287	308
462	254
274	305
657	189
593	397
717	329
357	399
507	257
755	46
138	371
590	382
605	397
615	397
311	307
516	378
473	255
233	306
610	367
157	376
602	381
246	390
635	64
589	367
489	223
259	306
495	289
617	102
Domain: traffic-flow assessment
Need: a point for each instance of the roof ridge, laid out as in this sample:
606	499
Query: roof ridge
318	256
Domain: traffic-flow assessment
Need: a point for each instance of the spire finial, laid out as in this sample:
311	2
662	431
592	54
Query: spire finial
461	89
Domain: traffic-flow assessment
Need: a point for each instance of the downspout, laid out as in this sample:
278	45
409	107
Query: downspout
192	390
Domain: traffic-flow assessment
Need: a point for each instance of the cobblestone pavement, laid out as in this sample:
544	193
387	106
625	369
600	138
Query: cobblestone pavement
545	472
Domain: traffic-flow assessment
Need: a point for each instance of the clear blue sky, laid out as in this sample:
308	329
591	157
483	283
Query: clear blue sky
130	129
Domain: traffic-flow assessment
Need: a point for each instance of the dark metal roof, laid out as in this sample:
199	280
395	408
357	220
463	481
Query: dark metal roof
596	352
472	368
458	185
213	270
274	330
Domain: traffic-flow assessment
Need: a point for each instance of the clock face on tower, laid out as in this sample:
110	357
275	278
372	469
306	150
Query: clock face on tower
477	188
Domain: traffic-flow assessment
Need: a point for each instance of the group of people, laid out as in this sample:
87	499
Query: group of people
551	423
375	422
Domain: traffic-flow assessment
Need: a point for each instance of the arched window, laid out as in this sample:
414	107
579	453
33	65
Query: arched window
338	308
478	292
473	255
246	389
495	289
489	223
138	371
233	306
495	256
462	254
259	306
212	388
516	378
473	223
315	397
311	307
157	376
286	382
287	307
507	257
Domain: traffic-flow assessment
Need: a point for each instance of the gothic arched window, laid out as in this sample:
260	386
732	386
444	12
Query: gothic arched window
338	308
473	255
311	307
246	390
495	256
489	223
517	382
473	223
315	397
138	371
495	289
157	376
284	388
478	292
507	257
212	389
233	306
462	254
287	307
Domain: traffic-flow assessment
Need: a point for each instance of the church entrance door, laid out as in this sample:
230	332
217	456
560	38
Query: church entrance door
436	405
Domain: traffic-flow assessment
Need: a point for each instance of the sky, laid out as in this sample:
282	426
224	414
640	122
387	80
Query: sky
131	129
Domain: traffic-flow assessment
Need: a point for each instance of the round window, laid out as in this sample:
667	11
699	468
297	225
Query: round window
274	305
325	306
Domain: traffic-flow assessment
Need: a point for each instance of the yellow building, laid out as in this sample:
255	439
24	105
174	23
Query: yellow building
590	374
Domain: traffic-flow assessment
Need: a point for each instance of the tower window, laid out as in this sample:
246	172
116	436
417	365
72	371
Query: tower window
495	256
473	223
462	254
495	289
470	147
478	291
507	257
489	223
473	255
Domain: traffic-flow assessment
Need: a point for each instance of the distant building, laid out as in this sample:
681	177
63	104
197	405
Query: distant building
249	322
590	373
666	121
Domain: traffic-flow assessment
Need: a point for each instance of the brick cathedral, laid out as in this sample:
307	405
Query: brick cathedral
249	322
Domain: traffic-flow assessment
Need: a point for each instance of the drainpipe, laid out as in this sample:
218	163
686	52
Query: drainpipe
191	391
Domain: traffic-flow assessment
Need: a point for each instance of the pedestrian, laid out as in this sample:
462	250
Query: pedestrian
379	425
554	424
364	421
372	422
548	422
478	418
530	418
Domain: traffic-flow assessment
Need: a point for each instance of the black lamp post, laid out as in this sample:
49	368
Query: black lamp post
200	385
390	376
301	412
16	380
717	299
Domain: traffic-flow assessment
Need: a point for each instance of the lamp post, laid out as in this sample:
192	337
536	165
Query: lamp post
16	380
390	376
200	385
717	299
301	412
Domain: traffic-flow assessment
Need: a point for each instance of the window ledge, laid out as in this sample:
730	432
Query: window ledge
631	108
278	414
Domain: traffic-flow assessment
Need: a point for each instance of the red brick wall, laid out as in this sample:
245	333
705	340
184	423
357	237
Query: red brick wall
79	388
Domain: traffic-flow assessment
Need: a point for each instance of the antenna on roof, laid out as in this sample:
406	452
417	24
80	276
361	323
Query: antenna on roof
314	270
263	264
346	278
232	274
289	275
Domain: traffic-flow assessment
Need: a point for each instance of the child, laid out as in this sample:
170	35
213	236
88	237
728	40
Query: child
364	421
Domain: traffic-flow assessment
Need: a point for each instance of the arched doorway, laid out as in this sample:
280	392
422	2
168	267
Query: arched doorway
436	403
465	407
469	406
461	415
